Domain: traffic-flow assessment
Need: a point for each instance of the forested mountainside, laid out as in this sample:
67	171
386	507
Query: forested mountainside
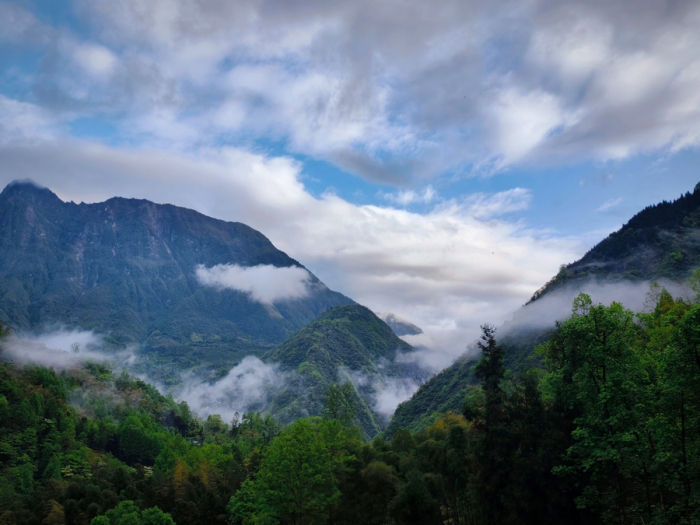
608	431
660	242
447	390
126	269
346	345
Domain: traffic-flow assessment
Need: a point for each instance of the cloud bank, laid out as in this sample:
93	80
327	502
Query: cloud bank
392	92
638	296
264	283
384	392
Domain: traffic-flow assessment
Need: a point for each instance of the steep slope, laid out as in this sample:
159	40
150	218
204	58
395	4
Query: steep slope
345	344
660	242
126	268
446	391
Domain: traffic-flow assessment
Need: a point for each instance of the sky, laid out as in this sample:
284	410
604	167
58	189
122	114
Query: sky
438	160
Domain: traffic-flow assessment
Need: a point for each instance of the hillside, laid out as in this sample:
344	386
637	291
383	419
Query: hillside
345	344
446	391
660	242
126	269
87	446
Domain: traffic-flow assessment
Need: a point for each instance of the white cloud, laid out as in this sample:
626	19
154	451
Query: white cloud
408	197
573	42
385	391
522	121
61	349
484	206
388	92
95	59
24	122
391	391
609	204
264	283
247	387
556	305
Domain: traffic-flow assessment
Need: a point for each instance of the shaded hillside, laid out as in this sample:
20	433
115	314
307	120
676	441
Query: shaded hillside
345	344
446	391
662	241
126	268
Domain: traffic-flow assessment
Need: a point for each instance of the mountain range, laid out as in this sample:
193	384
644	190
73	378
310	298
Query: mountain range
345	345
195	295
192	295
127	269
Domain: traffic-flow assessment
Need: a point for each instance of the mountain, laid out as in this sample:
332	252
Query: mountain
346	344
401	327
127	269
661	242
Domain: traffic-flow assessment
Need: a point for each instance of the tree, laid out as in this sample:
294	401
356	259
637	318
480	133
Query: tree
495	441
127	513
297	480
138	442
340	403
598	374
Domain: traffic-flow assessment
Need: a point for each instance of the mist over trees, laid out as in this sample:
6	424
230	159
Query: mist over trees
607	430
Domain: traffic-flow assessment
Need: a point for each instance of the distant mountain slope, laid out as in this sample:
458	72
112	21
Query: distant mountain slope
443	393
126	268
345	344
401	327
660	242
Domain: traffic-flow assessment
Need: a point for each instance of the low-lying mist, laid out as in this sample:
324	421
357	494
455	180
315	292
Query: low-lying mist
62	348
249	386
542	314
394	382
556	306
252	385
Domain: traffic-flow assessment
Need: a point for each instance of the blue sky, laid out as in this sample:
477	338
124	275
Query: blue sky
438	160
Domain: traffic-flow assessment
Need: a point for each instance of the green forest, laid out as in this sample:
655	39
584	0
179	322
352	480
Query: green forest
606	430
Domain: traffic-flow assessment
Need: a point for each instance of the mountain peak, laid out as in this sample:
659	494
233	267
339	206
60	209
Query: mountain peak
28	187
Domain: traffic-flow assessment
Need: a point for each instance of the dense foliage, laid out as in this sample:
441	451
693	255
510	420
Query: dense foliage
76	444
345	342
607	432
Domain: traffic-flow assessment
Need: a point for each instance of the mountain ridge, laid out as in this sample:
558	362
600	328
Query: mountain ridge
345	344
126	268
660	241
